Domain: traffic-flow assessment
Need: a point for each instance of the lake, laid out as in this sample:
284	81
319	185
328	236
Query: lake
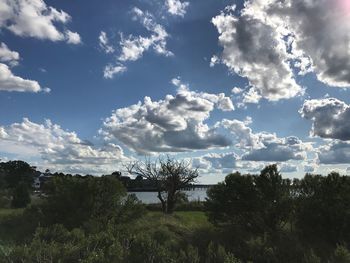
151	197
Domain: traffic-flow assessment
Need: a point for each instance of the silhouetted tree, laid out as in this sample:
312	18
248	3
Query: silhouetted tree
323	211
274	198
168	175
15	172
234	202
256	203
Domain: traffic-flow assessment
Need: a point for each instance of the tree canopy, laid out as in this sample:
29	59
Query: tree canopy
169	177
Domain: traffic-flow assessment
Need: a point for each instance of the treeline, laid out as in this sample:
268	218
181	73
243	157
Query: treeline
264	218
248	218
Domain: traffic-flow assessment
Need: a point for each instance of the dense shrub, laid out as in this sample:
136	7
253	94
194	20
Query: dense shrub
21	196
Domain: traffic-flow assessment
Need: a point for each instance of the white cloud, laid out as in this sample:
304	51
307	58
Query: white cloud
242	133
317	33
253	49
288	168
72	37
133	47
214	60
10	82
174	124
330	118
33	18
223	161
201	164
236	90
309	168
57	147
176	7
104	43
8	56
335	152
251	96
111	70
223	102
263	146
278	149
216	163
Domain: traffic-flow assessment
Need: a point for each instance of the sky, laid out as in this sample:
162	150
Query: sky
89	86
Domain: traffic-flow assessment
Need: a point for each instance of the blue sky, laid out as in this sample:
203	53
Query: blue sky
87	86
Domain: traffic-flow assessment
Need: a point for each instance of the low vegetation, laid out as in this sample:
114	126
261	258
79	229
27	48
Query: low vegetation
246	218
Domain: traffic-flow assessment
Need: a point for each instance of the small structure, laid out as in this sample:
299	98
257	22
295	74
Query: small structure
40	180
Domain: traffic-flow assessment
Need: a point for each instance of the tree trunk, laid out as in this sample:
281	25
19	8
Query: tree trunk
171	202
164	205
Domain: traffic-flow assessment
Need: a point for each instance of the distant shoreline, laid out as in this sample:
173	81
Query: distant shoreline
189	188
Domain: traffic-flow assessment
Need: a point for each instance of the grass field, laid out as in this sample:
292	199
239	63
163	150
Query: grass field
13	226
9	211
186	219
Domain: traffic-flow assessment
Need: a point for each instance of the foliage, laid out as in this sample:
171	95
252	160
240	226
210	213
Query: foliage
266	215
169	176
74	201
247	218
21	196
323	211
5	198
254	203
341	255
14	172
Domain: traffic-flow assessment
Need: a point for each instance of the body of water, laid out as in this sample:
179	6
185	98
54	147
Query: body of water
151	197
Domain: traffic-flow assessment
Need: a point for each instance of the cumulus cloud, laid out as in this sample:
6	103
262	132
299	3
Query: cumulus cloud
288	168
335	152
223	102
309	168
330	118
176	7
215	163
72	37
11	82
223	161
267	40
251	96
8	80
242	133
33	18
253	49
56	146
8	56
315	32
174	124
277	149
263	146
321	30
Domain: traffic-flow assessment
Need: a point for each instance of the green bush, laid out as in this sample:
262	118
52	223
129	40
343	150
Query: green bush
341	255
21	196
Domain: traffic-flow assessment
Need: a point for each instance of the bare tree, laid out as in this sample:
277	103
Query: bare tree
168	175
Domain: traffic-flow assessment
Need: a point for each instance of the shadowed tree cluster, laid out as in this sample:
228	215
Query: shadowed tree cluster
262	218
271	219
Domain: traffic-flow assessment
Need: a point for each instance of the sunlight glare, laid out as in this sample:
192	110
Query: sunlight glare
344	5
